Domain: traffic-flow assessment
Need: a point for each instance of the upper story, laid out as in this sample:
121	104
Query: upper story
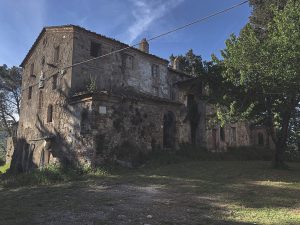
63	46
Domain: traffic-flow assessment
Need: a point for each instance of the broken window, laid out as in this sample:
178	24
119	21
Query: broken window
56	54
32	70
54	82
95	49
41	99
50	113
222	133
30	92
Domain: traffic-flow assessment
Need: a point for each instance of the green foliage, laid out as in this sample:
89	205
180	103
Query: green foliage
92	84
4	167
189	63
10	89
189	152
266	71
262	13
50	175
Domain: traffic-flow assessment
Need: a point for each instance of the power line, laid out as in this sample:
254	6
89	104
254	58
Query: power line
150	39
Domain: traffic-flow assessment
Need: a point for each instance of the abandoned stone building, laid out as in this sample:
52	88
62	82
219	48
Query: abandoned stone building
119	107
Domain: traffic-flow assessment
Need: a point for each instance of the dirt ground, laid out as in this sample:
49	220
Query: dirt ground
193	193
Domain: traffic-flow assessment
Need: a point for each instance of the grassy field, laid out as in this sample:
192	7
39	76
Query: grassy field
198	192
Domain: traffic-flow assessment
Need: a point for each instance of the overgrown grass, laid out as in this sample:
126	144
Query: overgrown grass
191	153
50	175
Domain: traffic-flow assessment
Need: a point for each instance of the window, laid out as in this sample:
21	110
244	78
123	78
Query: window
56	54
233	135
30	92
32	70
95	49
260	139
49	113
129	61
84	123
41	99
155	71
222	133
43	60
54	82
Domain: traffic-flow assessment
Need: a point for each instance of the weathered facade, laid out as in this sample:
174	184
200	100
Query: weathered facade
118	107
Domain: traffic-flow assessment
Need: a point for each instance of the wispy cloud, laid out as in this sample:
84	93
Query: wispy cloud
146	12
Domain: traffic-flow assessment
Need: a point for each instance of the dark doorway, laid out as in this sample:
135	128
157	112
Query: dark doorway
260	139
214	138
169	130
193	116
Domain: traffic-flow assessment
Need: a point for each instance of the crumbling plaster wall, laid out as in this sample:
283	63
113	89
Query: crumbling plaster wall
114	71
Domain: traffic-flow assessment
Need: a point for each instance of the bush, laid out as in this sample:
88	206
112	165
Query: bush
188	152
50	175
292	155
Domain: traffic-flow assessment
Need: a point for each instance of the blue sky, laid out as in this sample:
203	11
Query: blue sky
126	20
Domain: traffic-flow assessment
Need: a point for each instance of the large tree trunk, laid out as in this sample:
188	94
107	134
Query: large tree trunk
283	136
278	161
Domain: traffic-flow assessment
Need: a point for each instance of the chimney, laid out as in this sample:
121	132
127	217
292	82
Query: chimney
176	63
144	45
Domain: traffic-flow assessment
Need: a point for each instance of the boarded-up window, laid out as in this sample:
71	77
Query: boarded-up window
41	99
56	54
30	92
222	133
95	49
54	82
32	70
50	113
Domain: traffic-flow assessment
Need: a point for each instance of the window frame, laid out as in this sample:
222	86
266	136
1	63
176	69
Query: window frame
50	113
29	92
54	81
95	49
56	54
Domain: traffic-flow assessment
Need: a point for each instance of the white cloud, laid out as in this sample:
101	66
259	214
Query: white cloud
145	12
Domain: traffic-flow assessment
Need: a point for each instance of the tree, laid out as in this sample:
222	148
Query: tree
267	73
189	63
262	13
10	88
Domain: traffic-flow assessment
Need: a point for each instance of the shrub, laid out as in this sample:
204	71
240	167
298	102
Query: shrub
292	155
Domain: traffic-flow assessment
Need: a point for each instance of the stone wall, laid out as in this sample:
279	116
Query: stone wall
34	124
122	128
130	67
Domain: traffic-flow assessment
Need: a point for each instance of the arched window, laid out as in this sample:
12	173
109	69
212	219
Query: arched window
50	113
260	137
